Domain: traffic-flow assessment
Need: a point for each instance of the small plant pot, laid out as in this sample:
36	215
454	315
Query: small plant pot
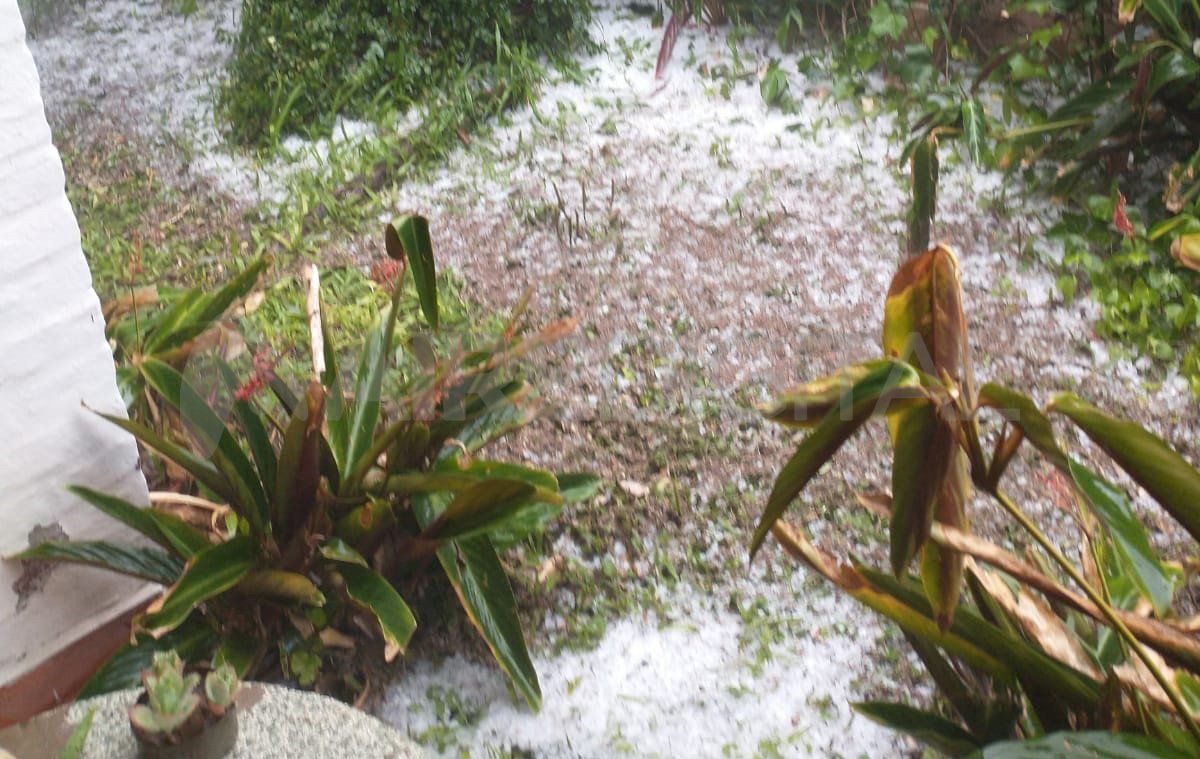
213	741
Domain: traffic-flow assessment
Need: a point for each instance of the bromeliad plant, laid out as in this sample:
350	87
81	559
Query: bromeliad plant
1020	648
320	505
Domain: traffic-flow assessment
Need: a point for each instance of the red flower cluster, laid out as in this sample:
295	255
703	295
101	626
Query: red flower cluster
386	271
264	372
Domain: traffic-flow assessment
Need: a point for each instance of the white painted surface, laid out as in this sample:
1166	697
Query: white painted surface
53	359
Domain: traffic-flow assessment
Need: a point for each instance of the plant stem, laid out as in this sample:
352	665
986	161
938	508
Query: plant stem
1113	620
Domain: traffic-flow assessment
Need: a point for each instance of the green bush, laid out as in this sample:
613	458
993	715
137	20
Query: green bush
297	65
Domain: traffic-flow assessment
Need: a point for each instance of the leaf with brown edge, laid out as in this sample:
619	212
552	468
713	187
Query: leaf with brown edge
282	586
1162	472
941	567
921	459
1038	621
805	405
299	471
872	394
1021	412
923	320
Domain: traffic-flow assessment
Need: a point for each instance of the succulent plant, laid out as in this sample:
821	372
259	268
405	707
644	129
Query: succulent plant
220	686
171	695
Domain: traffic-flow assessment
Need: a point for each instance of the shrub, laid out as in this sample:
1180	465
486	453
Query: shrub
297	65
1020	648
315	509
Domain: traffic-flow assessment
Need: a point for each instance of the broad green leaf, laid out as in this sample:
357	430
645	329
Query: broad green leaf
412	237
239	651
337	549
577	487
282	586
480	507
868	396
78	738
192	315
147	563
336	414
1023	414
478	579
123	511
209	573
298	476
931	729
942	567
804	406
974	130
252	425
123	669
366	588
181	537
1148	573
1166	14
250	500
1145	457
1019	657
204	471
922	452
1083	745
923	320
372	364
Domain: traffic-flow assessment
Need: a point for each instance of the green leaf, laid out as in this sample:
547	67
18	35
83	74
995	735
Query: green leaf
1149	574
147	563
804	406
249	501
75	743
1083	745
336	415
124	512
279	585
123	669
481	506
577	487
1022	413
1151	463
931	729
1045	674
924	181
372	364
868	396
239	651
182	538
254	429
298	476
193	314
412	237
366	588
337	549
478	578
922	453
209	573
974	130
204	471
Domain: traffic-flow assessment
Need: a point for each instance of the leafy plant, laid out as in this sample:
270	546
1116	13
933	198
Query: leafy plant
1019	648
298	65
311	511
168	328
